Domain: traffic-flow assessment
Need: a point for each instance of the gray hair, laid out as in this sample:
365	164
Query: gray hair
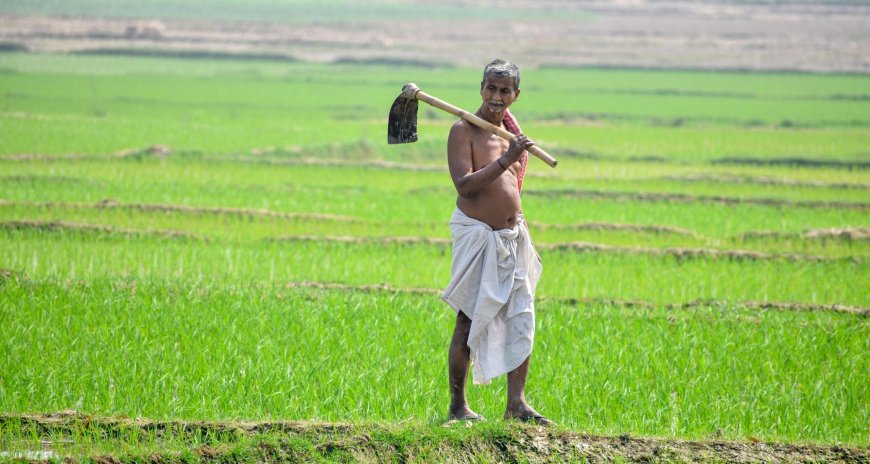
503	68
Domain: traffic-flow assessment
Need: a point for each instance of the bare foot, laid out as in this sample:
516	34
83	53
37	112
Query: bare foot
464	413
526	414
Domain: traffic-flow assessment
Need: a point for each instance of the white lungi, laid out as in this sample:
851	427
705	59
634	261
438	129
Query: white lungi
492	280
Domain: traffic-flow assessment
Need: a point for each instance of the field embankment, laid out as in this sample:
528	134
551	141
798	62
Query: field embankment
146	440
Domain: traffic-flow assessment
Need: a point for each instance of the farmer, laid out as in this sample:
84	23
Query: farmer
495	267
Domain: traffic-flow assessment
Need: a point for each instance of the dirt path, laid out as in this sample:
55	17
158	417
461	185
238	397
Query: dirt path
285	441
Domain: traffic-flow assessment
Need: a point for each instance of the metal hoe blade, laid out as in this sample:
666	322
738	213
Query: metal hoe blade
402	126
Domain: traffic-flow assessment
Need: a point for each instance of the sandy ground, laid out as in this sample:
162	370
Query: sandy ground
708	35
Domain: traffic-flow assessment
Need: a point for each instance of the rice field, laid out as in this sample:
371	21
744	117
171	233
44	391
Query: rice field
234	240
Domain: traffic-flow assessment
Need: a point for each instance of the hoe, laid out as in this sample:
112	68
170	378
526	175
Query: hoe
402	126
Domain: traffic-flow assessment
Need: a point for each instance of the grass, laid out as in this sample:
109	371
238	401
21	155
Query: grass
384	195
85	105
245	227
662	279
110	176
173	349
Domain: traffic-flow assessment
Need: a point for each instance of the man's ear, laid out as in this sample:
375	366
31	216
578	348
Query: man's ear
517	95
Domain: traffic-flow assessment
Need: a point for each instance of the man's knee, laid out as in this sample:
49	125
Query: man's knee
463	325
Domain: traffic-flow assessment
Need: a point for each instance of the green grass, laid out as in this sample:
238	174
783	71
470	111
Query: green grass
243	227
61	104
569	274
422	199
107	175
176	350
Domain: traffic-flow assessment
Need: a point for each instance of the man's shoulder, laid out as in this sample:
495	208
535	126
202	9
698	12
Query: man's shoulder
461	129
461	125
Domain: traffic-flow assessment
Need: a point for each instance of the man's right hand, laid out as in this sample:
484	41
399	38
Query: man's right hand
517	146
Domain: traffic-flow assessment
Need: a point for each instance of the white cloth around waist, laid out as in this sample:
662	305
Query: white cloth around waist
492	280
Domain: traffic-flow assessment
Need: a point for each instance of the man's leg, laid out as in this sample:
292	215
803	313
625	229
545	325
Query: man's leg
517	408
458	361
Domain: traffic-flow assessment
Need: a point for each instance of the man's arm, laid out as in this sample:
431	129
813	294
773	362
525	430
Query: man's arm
468	182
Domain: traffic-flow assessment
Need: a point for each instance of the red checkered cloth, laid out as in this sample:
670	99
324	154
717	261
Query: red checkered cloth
510	123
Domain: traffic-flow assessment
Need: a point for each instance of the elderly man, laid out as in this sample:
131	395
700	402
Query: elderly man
495	267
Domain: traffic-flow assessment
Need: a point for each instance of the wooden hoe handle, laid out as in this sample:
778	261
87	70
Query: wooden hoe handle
412	91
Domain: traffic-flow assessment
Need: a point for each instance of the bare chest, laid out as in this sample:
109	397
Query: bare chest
486	148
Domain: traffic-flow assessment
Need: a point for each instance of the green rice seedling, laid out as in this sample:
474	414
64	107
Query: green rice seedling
201	350
109	111
252	225
424	197
671	277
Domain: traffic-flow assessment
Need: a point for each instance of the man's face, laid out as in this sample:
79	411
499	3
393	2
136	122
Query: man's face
498	93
